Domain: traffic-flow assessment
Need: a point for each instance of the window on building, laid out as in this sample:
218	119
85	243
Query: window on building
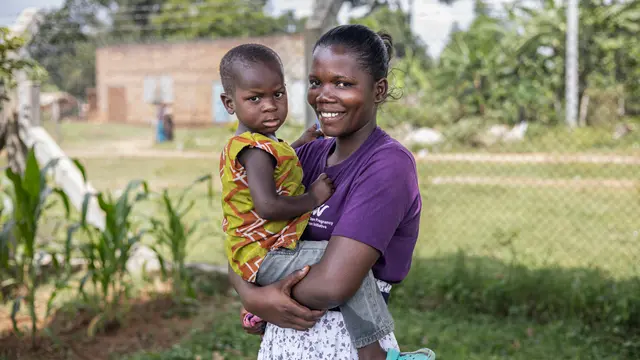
158	88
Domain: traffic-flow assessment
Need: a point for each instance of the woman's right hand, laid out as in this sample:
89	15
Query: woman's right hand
273	303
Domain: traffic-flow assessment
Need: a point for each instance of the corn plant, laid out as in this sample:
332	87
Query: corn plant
173	236
107	252
19	264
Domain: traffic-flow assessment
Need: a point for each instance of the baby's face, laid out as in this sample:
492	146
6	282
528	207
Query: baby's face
260	98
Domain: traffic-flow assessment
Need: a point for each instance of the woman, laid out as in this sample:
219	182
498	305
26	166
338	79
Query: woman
372	219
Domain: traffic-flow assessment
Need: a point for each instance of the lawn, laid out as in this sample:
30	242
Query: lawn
453	333
520	241
540	226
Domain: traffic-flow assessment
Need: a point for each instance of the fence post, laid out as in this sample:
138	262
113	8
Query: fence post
571	86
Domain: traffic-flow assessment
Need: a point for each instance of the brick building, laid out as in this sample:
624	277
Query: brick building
130	77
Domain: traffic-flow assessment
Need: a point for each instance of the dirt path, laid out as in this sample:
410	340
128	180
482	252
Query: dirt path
537	182
143	149
540	158
460	157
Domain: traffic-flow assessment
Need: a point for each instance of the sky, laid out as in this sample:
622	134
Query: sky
432	21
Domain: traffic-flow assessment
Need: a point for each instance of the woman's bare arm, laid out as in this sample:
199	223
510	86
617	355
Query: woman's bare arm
338	275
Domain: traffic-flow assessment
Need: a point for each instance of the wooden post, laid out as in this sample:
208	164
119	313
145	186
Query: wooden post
55	118
16	149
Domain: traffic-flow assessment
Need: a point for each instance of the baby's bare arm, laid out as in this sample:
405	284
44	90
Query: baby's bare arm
260	167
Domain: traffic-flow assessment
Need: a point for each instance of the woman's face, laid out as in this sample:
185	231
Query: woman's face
343	95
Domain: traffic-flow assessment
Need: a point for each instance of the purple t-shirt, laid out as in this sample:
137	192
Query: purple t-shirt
377	200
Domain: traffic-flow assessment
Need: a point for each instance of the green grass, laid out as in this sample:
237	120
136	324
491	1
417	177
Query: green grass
541	226
455	332
453	335
115	172
79	134
213	138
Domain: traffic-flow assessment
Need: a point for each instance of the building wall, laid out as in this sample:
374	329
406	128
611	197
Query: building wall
187	73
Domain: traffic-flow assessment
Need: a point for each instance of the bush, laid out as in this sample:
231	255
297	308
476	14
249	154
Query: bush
422	114
604	105
107	252
486	285
174	235
465	131
20	253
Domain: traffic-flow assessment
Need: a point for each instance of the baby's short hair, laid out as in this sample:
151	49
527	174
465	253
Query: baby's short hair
245	55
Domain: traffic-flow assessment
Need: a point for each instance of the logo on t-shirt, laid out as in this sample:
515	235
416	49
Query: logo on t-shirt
316	218
319	210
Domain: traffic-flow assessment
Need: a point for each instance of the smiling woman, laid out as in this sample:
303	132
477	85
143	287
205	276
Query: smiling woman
365	233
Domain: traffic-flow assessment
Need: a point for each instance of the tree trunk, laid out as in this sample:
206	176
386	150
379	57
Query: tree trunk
16	149
621	106
584	108
3	129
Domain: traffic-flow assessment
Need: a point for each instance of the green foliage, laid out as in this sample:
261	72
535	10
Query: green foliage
107	252
396	23
10	62
68	52
484	285
20	256
173	234
511	68
219	18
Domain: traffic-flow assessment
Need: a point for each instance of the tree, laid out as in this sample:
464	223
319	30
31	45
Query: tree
395	22
184	19
410	68
516	64
481	8
469	62
65	45
606	42
10	63
133	18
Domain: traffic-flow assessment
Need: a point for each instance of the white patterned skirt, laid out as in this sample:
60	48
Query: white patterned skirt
327	340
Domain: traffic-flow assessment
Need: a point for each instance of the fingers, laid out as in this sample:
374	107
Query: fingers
318	314
327	180
302	324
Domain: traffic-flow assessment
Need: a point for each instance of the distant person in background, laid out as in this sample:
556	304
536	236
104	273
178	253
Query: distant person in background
168	127
160	134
